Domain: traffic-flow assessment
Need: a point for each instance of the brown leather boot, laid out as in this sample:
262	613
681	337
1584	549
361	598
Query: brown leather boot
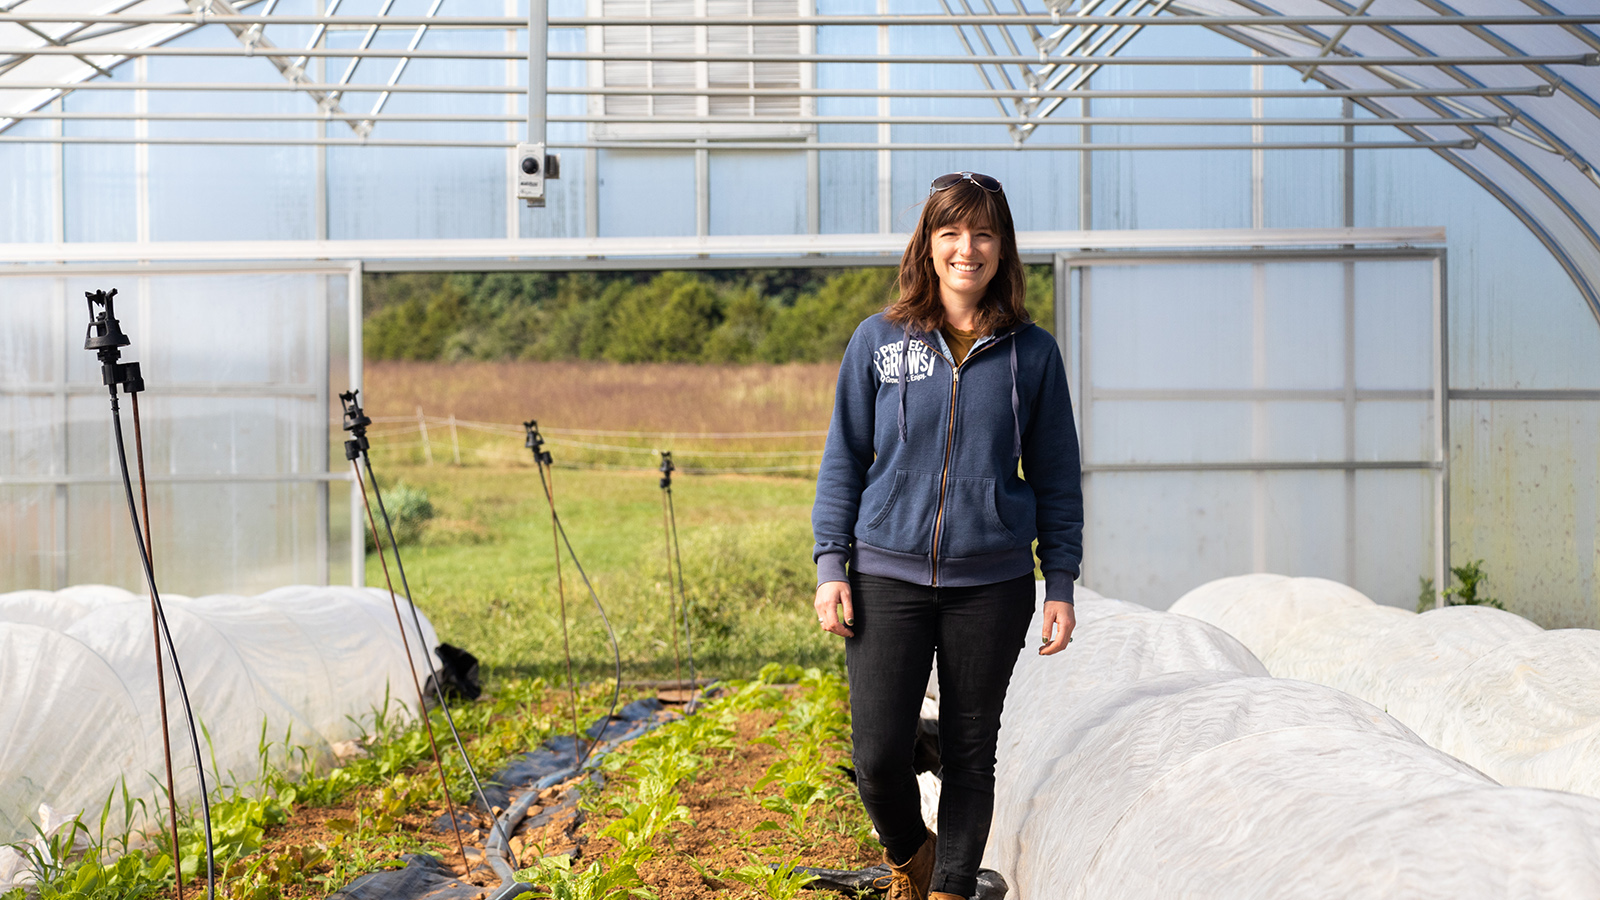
910	880
941	895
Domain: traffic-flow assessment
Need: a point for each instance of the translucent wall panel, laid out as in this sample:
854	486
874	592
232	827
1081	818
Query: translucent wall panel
646	193
739	178
423	192
28	524
1258	414
1157	535
235	421
1516	319
1189	189
1523	494
100	185
29	184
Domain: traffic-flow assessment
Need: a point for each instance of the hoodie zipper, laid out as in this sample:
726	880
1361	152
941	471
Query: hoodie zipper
949	445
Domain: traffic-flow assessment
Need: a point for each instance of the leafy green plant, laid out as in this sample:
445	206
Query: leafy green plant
135	876
265	876
409	511
238	826
778	881
1427	594
641	821
814	725
73	862
1471	577
555	875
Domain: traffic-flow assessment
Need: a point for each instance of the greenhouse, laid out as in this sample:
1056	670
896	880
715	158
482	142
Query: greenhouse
1328	277
1325	275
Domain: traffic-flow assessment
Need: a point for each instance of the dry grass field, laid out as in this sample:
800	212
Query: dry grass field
610	397
604	415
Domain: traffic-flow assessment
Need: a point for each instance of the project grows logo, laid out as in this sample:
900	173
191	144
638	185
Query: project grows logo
918	361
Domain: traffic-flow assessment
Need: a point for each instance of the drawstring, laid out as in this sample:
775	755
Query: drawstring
905	354
1016	420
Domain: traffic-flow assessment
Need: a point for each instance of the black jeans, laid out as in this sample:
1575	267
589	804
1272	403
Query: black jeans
977	632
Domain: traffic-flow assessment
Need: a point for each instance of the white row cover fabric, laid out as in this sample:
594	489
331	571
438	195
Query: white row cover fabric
1155	758
1479	683
297	666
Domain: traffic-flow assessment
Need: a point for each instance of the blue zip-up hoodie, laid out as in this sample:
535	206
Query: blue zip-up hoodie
919	478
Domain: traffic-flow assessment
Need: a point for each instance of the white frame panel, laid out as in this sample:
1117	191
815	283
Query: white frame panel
1074	318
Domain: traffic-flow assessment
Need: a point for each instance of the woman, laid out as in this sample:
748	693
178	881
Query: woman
924	527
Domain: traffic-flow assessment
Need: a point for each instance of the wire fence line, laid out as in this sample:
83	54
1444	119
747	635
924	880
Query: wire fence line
432	434
590	432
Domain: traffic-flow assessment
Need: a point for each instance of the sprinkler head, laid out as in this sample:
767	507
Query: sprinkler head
535	442
104	333
354	419
667	468
355	422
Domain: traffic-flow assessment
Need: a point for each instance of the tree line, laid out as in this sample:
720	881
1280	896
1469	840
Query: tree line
734	316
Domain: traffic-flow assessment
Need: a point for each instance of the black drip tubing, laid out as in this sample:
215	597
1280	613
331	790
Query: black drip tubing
433	672
683	598
541	459
172	651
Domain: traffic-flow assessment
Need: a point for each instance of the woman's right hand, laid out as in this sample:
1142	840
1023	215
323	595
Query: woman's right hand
834	610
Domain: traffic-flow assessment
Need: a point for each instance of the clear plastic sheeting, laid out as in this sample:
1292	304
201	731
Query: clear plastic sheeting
299	666
1482	684
1135	765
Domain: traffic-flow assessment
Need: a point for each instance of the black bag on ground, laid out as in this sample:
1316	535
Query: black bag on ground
458	675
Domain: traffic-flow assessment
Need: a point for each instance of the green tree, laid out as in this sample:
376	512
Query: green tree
745	320
667	320
1041	298
818	326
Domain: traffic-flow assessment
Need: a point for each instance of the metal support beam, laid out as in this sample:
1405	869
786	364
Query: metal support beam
253	39
753	146
414	52
538	68
1532	90
1555	18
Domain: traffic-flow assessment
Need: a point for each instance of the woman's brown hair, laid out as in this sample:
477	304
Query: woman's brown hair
1002	306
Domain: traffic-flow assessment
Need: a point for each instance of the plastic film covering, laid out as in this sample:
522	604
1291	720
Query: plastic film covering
1260	609
1192	774
1479	683
1527	712
296	667
1394	659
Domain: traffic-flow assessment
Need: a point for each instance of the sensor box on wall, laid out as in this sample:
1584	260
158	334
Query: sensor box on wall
532	167
528	167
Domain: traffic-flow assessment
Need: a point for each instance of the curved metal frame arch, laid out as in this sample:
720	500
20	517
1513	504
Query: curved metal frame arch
1587	287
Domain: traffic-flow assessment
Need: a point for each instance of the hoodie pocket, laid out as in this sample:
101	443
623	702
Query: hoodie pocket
973	524
903	521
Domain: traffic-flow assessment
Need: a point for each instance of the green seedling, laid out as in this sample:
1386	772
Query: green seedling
778	881
554	874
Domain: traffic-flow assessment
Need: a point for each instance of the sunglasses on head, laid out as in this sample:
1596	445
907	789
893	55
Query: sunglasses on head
987	182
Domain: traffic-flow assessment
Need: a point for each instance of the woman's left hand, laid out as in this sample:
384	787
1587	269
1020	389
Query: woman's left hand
1059	620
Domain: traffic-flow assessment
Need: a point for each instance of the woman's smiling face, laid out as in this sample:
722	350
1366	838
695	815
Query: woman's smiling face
965	258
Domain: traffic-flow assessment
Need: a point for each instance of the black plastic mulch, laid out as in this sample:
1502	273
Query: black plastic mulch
423	878
854	882
426	878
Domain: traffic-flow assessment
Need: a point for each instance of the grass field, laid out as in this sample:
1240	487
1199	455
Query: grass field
484	567
484	570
